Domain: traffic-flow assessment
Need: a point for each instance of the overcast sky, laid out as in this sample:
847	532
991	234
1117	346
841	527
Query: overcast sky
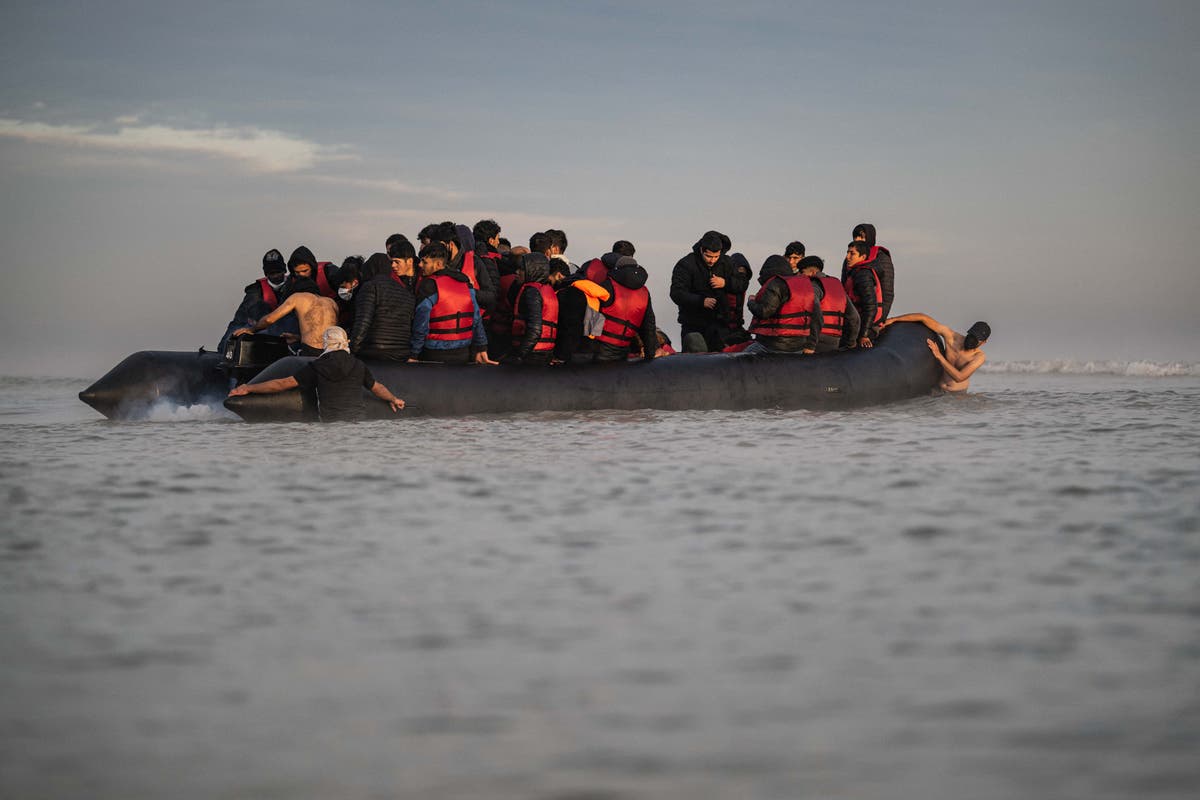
1033	164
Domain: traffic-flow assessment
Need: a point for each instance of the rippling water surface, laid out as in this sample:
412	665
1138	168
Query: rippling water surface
994	595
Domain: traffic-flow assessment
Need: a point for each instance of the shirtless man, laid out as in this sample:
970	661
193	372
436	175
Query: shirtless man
964	354
316	315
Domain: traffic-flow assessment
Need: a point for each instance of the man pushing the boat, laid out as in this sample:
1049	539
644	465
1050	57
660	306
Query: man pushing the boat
315	312
964	353
338	378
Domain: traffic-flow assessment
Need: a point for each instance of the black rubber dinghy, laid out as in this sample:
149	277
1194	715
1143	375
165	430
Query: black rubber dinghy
900	366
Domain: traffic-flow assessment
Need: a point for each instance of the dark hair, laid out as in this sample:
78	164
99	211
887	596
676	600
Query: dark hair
862	248
557	239
428	232
485	229
539	243
713	242
351	270
811	261
446	233
402	248
867	230
391	240
624	248
977	334
378	264
435	251
505	242
794	248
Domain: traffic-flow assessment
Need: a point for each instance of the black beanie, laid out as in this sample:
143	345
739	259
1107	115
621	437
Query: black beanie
273	262
302	255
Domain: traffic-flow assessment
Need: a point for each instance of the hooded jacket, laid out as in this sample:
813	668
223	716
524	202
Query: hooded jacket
881	261
690	287
626	278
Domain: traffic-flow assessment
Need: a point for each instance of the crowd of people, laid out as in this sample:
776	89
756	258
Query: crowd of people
465	295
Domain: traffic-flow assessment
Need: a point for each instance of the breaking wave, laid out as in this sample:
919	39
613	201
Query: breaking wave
1137	369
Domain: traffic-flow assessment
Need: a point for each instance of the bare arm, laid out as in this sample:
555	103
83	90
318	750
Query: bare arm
924	319
266	387
381	391
959	374
285	308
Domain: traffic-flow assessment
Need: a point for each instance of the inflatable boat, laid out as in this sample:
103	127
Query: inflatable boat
900	366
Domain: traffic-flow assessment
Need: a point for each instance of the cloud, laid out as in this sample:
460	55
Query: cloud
259	149
388	185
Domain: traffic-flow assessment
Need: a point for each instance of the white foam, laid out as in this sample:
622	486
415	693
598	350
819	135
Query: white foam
1136	369
169	411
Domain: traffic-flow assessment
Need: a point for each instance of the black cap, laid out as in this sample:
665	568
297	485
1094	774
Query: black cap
273	262
981	331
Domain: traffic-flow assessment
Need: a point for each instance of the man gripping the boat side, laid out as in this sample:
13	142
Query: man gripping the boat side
315	312
338	378
964	353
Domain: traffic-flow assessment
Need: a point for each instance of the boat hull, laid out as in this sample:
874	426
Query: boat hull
899	367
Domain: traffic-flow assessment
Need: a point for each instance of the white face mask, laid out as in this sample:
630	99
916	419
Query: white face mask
275	285
345	294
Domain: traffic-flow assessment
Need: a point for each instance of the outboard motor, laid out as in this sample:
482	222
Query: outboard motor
245	356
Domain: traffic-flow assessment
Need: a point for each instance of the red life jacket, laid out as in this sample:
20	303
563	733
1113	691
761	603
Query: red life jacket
268	294
322	279
502	316
549	318
733	308
623	316
794	317
878	289
452	317
468	268
833	307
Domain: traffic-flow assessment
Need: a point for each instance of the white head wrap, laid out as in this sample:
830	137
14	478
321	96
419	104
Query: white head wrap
335	338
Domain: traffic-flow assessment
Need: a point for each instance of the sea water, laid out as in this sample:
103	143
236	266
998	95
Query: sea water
989	595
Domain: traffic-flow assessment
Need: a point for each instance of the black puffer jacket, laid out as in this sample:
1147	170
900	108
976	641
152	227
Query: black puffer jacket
690	286
632	276
863	281
529	303
383	317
